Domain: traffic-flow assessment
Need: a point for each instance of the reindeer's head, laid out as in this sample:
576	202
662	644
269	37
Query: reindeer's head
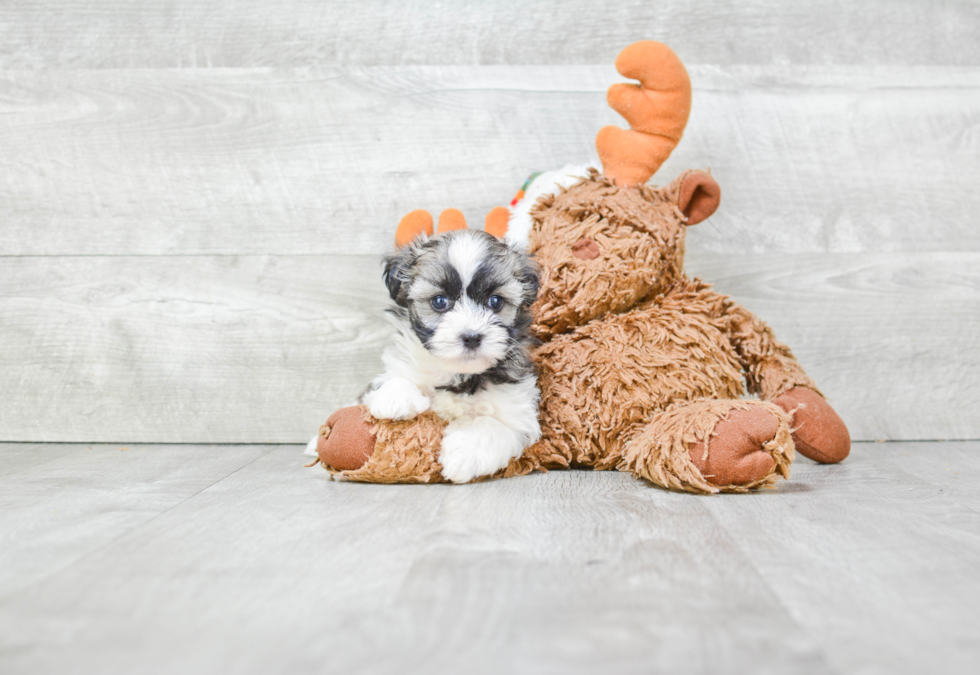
610	241
604	248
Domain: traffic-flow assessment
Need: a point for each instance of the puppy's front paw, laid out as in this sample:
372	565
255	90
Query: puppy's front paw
396	400
479	448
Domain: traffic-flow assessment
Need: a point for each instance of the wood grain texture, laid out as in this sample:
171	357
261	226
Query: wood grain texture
217	559
61	503
188	33
193	198
185	348
891	339
250	349
841	565
194	195
326	161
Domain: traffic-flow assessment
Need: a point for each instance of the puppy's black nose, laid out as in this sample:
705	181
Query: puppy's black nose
472	340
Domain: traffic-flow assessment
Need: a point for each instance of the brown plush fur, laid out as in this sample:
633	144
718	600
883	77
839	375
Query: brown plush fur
660	452
639	363
405	452
640	243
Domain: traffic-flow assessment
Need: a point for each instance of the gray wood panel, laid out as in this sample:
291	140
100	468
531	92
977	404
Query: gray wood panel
255	349
194	195
218	559
893	340
188	349
325	161
196	33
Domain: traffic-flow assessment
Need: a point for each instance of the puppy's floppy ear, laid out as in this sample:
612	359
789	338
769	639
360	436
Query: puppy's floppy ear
528	276
395	273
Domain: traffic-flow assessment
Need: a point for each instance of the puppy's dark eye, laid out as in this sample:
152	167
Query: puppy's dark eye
440	303
495	302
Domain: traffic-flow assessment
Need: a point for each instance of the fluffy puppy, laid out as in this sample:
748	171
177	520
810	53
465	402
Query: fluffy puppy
462	313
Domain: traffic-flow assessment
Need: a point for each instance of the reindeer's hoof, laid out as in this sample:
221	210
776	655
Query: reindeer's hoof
346	442
735	453
818	431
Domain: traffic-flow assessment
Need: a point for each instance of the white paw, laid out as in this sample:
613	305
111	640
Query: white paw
480	447
311	447
396	399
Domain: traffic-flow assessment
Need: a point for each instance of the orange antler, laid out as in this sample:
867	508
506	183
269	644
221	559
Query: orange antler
496	221
419	222
413	224
451	219
656	109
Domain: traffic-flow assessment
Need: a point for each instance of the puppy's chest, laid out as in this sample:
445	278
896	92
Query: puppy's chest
452	406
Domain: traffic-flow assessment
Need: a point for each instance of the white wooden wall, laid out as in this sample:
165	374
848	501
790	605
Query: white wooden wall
194	194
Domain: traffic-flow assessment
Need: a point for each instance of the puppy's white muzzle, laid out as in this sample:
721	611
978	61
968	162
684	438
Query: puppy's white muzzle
470	337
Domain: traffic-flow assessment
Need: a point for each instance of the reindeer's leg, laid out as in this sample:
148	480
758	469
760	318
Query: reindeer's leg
354	446
713	446
818	431
773	373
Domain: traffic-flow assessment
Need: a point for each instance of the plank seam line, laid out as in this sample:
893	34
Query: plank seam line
190	255
300	444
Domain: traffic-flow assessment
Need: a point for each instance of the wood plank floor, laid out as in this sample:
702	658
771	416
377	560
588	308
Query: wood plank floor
225	558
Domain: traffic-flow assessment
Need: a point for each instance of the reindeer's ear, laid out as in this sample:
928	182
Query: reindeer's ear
413	224
698	196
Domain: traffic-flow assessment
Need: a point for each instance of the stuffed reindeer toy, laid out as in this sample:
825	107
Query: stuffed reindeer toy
640	368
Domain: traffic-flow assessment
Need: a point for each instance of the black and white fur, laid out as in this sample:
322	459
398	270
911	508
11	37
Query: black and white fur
461	349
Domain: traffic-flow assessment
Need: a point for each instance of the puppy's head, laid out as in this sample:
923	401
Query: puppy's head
466	296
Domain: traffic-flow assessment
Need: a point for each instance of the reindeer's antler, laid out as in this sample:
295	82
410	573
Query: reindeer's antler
419	222
412	225
656	109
